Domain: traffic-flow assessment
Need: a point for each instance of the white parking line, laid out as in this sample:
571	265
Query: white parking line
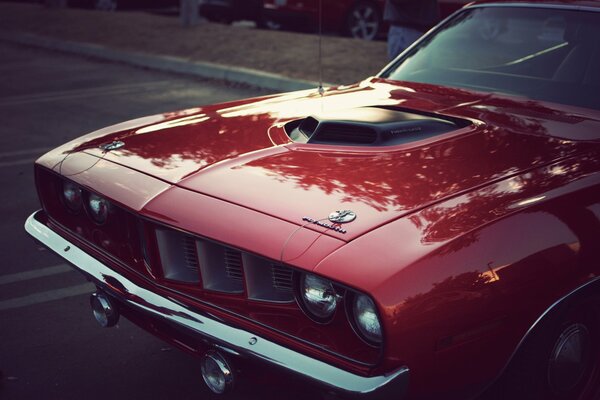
34	274
16	163
21	157
44	297
25	152
85	92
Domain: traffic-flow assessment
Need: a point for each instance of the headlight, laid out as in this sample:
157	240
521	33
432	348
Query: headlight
98	208
72	196
318	297
366	319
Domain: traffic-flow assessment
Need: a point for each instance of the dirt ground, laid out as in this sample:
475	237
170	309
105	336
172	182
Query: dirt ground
291	54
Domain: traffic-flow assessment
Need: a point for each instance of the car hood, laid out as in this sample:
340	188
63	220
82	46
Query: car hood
240	152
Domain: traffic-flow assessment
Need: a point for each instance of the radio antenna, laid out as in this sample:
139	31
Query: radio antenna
321	90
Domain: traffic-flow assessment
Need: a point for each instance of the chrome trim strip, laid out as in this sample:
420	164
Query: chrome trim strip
235	339
568	7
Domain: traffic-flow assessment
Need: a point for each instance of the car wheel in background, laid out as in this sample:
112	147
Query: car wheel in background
561	361
363	21
105	5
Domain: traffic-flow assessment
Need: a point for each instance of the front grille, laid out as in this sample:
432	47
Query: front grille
186	259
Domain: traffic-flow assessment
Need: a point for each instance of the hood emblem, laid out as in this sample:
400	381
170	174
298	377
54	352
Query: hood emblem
337	217
342	217
117	144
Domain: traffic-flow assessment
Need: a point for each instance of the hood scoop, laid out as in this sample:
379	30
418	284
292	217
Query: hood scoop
370	126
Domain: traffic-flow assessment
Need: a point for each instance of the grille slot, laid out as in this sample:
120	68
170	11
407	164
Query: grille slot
233	264
266	281
282	278
189	253
177	256
221	268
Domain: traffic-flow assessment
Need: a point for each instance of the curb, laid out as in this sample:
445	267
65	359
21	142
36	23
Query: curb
178	65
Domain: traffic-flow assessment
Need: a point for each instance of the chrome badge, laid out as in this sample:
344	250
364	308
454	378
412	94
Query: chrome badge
117	144
342	217
319	222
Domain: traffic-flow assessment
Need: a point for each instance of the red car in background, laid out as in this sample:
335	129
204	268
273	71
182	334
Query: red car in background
362	19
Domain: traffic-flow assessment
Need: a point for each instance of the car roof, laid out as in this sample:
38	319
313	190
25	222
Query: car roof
553	3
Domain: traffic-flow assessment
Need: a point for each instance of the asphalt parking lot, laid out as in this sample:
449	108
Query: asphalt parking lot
51	347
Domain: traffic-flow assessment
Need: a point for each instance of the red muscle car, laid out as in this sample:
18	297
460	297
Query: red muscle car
425	233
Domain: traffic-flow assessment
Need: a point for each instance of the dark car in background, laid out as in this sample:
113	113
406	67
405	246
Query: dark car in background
231	10
362	19
359	19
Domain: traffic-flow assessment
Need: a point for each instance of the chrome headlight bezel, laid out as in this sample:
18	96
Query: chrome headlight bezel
323	311
353	301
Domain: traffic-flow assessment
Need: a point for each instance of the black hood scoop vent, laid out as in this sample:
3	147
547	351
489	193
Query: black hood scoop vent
370	126
332	132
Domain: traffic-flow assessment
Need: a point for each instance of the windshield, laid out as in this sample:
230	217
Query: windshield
544	54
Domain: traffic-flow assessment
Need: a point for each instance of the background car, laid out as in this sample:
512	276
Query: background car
362	19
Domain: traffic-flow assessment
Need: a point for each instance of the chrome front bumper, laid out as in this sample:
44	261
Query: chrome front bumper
392	385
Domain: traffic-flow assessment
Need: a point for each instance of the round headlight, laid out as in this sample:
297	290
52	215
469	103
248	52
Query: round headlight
98	208
318	297
366	319
72	196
